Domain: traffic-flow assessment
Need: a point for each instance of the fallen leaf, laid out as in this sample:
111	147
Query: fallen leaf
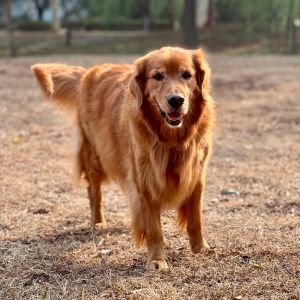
36	129
103	252
106	251
257	267
214	200
230	192
101	242
40	211
17	139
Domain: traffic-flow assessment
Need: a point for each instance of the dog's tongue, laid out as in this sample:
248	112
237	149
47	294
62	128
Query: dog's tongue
174	116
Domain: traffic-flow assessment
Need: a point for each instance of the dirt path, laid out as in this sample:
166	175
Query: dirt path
47	250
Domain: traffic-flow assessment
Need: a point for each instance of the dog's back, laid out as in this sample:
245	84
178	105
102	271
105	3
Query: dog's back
96	95
102	117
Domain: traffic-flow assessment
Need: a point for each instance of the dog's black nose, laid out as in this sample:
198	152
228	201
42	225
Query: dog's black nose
175	100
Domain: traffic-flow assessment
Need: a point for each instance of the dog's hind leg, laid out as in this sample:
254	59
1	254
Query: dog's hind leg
90	166
94	193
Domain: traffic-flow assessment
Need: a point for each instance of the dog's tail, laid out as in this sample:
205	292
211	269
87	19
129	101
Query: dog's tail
60	83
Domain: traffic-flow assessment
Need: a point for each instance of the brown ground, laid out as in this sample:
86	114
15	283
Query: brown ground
47	250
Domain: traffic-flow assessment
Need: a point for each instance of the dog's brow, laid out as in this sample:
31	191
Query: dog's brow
156	70
175	64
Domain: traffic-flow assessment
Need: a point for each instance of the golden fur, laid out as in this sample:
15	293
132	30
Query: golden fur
123	119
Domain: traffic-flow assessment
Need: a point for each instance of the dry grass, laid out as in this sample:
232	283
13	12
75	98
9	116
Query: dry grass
47	250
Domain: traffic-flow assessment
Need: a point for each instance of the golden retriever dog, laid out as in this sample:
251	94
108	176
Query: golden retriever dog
148	127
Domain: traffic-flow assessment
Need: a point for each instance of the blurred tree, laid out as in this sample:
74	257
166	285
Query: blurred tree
174	12
109	10
210	14
204	13
171	13
132	9
142	10
227	10
7	4
73	10
146	14
55	15
105	9
189	23
41	6
159	9
169	10
178	10
291	28
267	16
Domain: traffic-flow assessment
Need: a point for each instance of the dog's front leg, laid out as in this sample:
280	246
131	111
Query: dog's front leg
154	238
191	213
147	226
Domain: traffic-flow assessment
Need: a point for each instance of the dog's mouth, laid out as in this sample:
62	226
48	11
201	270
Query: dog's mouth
173	119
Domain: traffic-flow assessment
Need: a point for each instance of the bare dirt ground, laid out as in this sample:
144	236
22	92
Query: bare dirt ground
48	251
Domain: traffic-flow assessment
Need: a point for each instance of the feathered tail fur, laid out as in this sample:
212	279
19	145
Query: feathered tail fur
60	83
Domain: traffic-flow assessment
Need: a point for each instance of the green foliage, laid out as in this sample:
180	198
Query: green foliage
158	8
255	15
178	8
109	10
117	24
129	14
162	9
34	26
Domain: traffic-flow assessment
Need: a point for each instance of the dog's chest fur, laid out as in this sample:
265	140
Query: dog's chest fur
169	175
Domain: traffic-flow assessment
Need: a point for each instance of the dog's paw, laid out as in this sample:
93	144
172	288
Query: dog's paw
200	247
157	265
100	226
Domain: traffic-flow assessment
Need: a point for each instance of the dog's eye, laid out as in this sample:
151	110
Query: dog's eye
186	75
158	77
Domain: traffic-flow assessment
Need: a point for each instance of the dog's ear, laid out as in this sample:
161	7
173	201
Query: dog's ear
202	72
137	82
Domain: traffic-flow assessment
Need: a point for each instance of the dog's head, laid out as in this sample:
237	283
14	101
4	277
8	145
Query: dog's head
171	85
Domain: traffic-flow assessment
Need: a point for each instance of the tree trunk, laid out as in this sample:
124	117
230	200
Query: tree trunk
55	15
189	23
69	35
40	12
40	8
9	27
291	29
210	15
146	15
172	15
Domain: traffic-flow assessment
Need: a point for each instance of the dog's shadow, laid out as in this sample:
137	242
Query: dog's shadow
73	253
85	234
